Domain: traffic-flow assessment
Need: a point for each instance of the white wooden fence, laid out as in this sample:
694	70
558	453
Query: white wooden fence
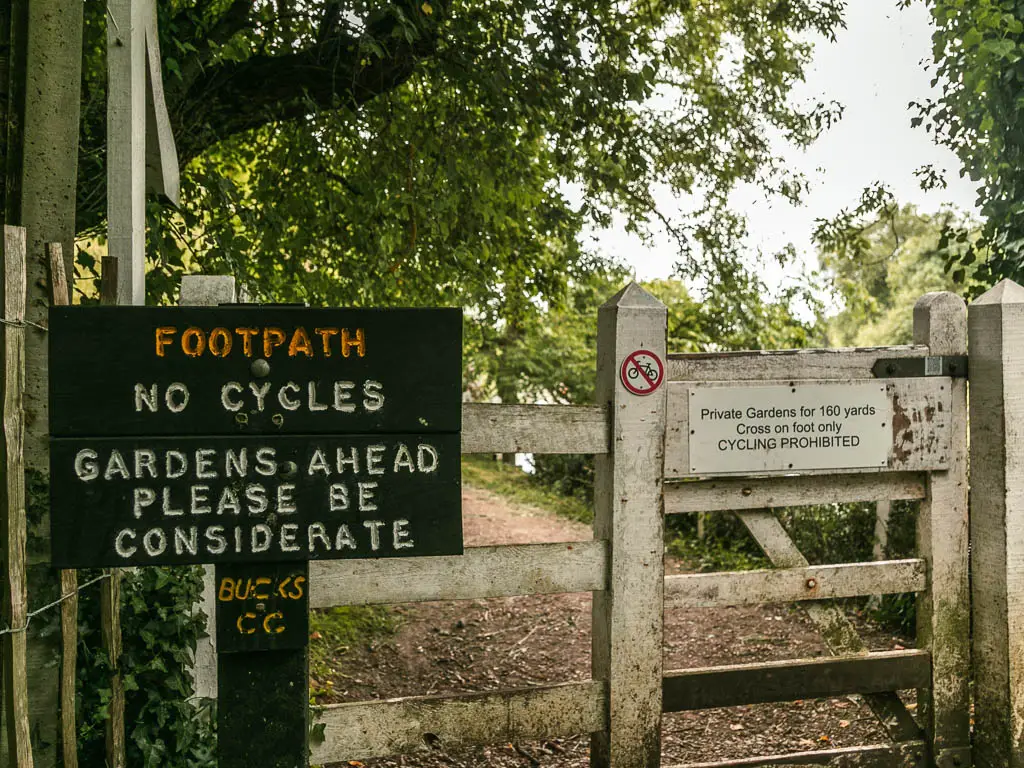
641	444
643	473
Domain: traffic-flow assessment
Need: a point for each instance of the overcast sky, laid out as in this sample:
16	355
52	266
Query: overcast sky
875	69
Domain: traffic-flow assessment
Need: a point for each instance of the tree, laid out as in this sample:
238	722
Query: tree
978	48
878	275
339	151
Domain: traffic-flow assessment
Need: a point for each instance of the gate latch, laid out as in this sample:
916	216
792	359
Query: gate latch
954	366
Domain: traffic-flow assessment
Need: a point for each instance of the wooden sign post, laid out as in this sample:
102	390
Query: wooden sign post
255	439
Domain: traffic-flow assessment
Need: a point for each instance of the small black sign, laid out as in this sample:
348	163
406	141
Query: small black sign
161	501
262	607
119	371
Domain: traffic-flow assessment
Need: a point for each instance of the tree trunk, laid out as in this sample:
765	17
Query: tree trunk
42	200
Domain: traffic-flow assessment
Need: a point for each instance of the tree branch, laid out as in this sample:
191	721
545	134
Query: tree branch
231	97
213	100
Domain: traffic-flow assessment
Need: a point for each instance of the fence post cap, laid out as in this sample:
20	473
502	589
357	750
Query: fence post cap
1006	291
207	290
941	300
634	297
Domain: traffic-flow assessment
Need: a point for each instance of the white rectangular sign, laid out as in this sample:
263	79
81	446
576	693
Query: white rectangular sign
771	428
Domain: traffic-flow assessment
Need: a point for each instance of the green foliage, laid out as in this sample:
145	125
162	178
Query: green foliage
382	153
735	311
978	47
879	265
724	546
333	631
570	475
513	483
541	351
160	626
832	533
900	611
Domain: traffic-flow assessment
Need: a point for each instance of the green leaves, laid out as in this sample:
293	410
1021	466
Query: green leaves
978	50
366	173
160	626
880	260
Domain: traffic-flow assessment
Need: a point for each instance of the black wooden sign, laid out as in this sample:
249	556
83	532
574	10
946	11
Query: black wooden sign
133	501
151	371
255	439
262	608
242	434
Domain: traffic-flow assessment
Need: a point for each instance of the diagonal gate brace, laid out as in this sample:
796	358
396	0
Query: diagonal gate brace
836	630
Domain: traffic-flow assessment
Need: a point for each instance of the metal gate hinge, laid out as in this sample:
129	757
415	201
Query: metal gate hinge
910	367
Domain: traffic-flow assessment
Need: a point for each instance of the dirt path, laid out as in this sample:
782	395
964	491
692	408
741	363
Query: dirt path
482	645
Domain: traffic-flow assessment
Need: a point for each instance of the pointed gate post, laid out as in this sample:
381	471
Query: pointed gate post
628	514
996	330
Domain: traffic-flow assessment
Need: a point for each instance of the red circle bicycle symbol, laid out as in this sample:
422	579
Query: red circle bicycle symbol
642	372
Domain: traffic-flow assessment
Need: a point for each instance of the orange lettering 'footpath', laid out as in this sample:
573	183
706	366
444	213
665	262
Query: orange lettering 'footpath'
259	589
221	342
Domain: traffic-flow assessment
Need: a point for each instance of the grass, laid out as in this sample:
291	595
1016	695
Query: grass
333	631
515	485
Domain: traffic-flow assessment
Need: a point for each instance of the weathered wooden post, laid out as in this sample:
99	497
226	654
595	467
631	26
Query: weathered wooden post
627	635
943	618
13	523
996	328
140	149
42	138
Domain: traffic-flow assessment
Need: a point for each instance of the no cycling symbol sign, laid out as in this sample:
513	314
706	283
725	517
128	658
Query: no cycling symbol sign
642	372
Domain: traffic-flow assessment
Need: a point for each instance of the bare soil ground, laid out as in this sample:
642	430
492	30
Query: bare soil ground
483	645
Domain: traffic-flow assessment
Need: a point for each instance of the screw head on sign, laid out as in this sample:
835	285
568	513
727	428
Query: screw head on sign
812	583
260	368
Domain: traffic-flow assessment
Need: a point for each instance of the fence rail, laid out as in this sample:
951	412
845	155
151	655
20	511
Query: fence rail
907	754
816	582
501	428
482	572
786	364
739	493
374	728
733	685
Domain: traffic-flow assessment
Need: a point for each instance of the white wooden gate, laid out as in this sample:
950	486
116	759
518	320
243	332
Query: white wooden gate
641	445
927	462
633	437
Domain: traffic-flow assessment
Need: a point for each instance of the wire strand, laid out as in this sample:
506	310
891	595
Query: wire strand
48	606
23	324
